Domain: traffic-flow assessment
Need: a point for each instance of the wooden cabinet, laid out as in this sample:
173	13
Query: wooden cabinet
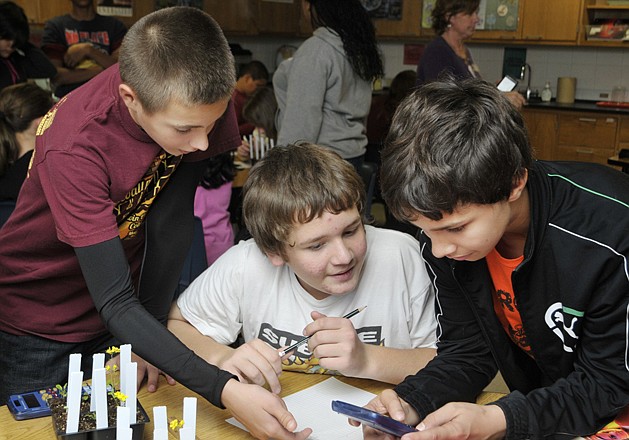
542	128
541	22
277	18
598	12
623	134
38	11
553	21
587	137
575	135
408	26
234	16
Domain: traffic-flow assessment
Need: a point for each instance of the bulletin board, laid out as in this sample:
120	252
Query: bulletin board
499	15
493	14
383	9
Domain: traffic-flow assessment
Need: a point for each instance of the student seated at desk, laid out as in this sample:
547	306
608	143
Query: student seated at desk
311	261
529	262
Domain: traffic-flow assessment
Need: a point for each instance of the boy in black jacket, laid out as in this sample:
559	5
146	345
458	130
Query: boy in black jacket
529	262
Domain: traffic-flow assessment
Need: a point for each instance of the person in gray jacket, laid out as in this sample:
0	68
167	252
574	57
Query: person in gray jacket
529	264
324	91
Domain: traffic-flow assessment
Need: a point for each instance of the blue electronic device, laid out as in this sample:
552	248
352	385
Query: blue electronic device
33	404
372	418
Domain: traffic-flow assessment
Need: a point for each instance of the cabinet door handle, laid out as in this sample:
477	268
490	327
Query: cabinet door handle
587	120
584	151
533	37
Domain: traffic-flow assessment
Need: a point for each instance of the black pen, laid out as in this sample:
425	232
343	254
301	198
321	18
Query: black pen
305	338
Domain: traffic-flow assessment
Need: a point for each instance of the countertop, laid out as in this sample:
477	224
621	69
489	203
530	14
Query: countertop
578	105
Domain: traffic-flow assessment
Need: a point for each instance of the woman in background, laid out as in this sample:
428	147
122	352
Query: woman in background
19	59
454	21
324	91
22	106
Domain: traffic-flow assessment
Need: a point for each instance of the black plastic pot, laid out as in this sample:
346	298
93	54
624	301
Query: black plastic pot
106	433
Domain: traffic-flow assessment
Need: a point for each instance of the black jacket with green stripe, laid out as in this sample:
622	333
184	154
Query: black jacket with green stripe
572	291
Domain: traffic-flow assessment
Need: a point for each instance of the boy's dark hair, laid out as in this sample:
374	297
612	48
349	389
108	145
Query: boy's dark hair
260	110
256	69
295	184
13	24
220	170
350	20
452	143
177	53
444	9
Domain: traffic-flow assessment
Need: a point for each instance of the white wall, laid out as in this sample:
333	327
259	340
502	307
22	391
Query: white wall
597	70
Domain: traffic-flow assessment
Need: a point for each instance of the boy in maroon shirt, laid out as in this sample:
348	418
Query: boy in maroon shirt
93	251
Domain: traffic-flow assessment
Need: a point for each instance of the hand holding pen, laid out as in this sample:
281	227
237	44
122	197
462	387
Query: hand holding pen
320	327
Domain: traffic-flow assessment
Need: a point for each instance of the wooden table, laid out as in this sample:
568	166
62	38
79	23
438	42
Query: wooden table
210	420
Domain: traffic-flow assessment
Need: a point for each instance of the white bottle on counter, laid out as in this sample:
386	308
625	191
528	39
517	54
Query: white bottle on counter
547	94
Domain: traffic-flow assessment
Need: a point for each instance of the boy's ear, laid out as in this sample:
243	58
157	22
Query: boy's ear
128	96
275	259
518	186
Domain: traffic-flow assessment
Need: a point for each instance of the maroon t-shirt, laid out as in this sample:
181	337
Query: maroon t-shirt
88	174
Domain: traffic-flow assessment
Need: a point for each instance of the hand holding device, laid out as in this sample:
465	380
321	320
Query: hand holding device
507	84
372	418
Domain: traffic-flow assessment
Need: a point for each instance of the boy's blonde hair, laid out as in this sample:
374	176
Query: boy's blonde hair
177	53
295	184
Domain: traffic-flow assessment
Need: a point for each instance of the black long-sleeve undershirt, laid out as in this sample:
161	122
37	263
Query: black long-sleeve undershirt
139	320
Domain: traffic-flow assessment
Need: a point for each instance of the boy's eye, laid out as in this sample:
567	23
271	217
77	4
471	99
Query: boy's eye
182	130
457	229
315	247
350	232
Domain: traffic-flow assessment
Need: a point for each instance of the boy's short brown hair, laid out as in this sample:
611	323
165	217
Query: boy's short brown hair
177	53
295	184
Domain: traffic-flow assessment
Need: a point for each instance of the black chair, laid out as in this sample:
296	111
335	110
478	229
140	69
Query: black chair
196	260
369	172
6	208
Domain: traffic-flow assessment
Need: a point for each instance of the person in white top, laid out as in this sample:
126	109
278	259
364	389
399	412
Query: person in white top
311	261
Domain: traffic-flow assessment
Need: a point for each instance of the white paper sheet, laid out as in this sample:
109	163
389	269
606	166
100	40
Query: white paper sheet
312	409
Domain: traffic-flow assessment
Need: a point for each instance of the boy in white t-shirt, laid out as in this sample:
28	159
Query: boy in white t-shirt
310	262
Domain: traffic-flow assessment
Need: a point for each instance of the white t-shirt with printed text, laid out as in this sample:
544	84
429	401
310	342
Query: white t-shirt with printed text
243	292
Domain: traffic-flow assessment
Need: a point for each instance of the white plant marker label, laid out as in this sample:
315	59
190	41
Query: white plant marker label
98	362
190	414
122	422
131	391
160	423
75	386
125	359
99	397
